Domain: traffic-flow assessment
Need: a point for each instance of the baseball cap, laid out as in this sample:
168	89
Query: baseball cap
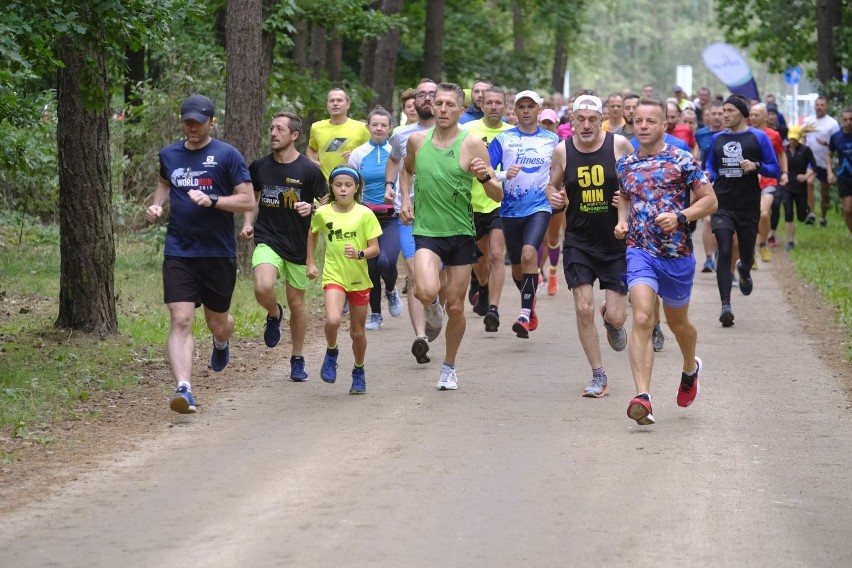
588	102
771	107
677	89
795	132
198	108
535	97
548	114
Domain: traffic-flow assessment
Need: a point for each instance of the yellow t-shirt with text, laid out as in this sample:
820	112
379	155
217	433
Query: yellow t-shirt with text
354	227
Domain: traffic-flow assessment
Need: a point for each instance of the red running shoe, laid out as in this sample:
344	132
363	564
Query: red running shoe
533	316
639	410
522	328
689	387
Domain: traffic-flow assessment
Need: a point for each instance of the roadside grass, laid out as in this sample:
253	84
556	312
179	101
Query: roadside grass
45	372
823	257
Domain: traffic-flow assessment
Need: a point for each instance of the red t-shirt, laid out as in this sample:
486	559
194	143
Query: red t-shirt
685	133
778	146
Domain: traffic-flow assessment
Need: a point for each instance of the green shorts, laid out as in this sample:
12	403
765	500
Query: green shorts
295	275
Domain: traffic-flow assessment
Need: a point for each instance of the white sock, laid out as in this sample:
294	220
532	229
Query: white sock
185	384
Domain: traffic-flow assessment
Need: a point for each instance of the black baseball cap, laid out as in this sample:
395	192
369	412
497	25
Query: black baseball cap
198	108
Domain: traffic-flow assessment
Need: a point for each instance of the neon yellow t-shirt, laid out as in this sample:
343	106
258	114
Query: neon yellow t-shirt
480	202
355	227
331	140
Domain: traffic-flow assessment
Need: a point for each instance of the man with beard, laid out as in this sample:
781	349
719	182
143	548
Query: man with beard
820	127
286	184
424	99
628	107
477	94
583	178
736	157
332	140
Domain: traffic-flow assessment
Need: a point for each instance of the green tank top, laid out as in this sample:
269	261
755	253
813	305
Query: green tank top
442	191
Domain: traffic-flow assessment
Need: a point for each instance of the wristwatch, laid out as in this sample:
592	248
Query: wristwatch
389	182
681	219
485	179
361	255
214	199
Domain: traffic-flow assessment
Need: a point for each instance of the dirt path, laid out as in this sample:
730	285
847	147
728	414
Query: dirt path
515	468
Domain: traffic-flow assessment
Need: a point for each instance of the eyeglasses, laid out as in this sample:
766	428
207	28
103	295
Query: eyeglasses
423	95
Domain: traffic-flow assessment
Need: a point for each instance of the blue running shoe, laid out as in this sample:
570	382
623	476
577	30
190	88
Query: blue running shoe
746	284
359	384
220	357
272	333
394	303
328	372
182	401
297	369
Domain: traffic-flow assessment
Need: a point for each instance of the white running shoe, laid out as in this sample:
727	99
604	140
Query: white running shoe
374	321
394	303
448	380
434	320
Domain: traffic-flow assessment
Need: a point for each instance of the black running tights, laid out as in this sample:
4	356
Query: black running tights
725	240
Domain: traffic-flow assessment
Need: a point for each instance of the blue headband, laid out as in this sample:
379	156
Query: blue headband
352	172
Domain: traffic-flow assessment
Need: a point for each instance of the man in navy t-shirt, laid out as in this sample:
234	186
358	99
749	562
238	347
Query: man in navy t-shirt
840	145
205	181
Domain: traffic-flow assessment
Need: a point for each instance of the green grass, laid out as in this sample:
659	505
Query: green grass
46	373
823	257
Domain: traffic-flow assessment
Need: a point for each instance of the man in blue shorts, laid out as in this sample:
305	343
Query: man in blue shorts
205	181
657	181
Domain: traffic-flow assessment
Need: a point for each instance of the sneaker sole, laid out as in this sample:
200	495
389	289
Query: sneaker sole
181	405
700	365
640	414
727	319
590	394
448	388
354	391
298	379
492	323
520	331
420	350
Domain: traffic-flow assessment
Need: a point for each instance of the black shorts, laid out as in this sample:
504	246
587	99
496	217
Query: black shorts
458	250
484	223
743	222
800	200
821	174
524	231
582	268
203	281
844	187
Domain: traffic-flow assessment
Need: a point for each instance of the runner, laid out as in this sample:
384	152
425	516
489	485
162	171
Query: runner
657	181
821	127
800	160
445	160
333	139
583	178
841	146
713	116
524	154
758	117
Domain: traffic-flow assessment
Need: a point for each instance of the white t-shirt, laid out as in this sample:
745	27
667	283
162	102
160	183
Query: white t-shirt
818	141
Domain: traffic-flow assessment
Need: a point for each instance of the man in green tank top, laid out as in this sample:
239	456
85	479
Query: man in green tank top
445	160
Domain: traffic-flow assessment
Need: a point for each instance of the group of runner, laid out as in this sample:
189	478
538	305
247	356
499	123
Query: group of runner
454	192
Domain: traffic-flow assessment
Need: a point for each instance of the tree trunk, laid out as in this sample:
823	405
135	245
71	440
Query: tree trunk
244	92
433	41
517	28
316	54
560	59
335	57
86	244
368	61
828	63
387	47
300	44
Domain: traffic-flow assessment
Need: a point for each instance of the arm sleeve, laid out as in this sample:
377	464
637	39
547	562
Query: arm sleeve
710	162
770	167
495	152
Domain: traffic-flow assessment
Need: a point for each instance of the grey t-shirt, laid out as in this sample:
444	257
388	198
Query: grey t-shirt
399	143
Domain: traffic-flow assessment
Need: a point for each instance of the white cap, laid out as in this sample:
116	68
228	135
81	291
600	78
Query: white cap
588	102
535	97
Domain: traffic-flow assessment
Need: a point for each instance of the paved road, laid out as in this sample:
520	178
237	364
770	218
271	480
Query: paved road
513	469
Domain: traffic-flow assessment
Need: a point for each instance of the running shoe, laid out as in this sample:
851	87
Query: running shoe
754	265
394	303
298	374
709	266
823	222
657	338
374	321
219	357
182	401
345	310
272	333
473	291
534	316
492	320
746	283
405	286
617	336
521	327
772	241
811	219
448	380
639	410
552	282
689	387
597	387
434	319
420	350
726	316
480	307
790	246
359	383
765	253
328	372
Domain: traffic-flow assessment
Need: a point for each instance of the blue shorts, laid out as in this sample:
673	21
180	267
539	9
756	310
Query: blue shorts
406	240
671	278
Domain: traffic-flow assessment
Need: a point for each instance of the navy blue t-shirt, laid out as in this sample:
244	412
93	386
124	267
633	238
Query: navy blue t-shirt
734	187
196	231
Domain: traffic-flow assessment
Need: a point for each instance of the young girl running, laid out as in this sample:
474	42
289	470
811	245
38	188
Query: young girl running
352	237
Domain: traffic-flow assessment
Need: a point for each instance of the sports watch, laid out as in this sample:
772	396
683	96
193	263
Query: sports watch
681	219
214	199
361	255
485	179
